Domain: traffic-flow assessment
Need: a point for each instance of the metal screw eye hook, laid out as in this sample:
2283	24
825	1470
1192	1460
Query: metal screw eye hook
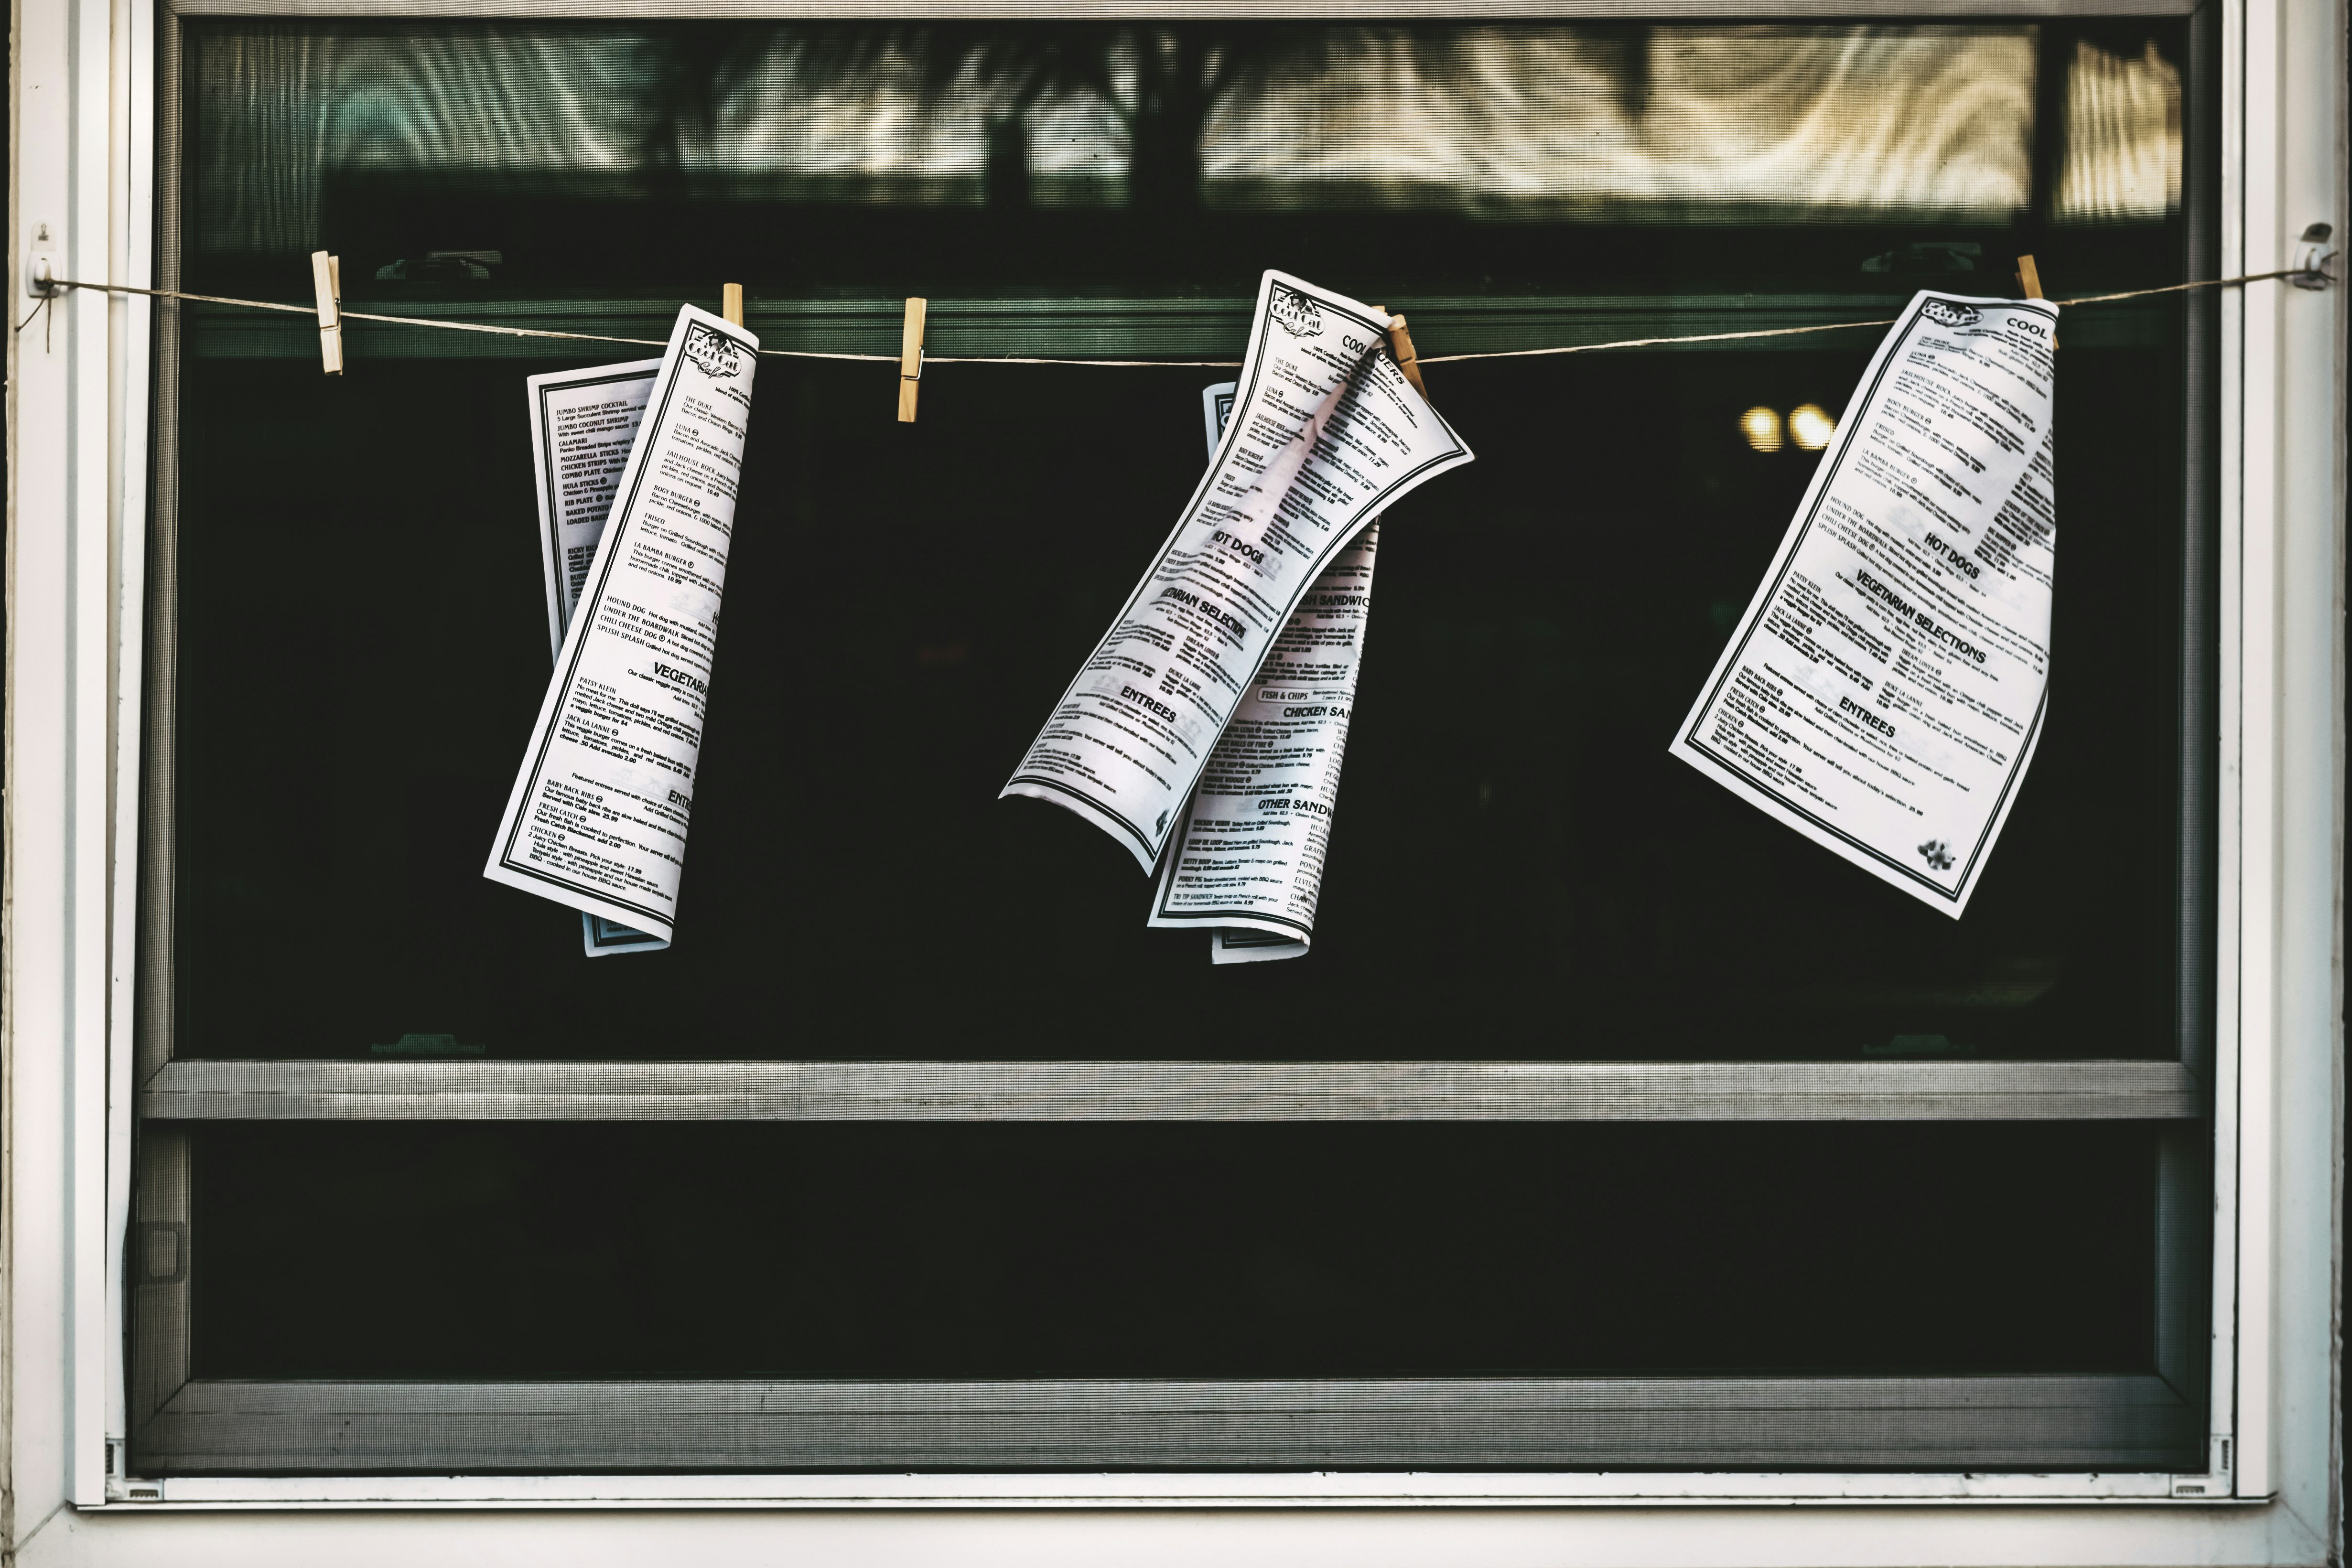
41	279
2313	253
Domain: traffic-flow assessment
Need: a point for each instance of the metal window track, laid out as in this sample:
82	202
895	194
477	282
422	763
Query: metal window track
2117	1422
1170	1090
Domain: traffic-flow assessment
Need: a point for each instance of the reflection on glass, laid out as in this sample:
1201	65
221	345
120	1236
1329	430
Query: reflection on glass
1529	124
2123	136
1810	426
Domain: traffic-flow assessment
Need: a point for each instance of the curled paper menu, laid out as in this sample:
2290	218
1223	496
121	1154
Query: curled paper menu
1248	864
1325	434
597	817
1884	691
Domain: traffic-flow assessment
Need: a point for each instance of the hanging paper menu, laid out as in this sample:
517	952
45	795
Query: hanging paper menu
1248	865
1325	433
1884	691
597	819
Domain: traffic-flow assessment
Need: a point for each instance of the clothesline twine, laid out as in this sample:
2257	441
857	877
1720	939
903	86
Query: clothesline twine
928	359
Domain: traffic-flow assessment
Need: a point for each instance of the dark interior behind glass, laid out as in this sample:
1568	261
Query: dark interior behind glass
1518	870
1164	1250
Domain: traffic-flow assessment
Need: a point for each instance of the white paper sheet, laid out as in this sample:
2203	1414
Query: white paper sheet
1249	863
1325	433
597	819
584	424
1884	691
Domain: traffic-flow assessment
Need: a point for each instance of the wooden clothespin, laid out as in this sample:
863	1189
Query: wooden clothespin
911	359
327	282
2029	283
730	303
1400	345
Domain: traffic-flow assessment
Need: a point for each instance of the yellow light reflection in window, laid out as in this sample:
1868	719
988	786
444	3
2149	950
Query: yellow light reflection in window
1761	426
1810	426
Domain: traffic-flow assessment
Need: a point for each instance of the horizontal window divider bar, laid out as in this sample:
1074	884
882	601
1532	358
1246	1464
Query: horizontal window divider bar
501	1091
2025	1422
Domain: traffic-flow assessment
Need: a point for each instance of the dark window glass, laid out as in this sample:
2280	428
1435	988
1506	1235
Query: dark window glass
1518	868
850	1250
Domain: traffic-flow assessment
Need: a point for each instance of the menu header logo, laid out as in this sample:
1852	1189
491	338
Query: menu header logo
712	353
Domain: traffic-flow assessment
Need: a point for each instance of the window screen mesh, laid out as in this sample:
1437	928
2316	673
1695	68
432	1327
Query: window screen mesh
1517	870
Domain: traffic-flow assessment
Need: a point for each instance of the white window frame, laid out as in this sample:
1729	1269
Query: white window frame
84	99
